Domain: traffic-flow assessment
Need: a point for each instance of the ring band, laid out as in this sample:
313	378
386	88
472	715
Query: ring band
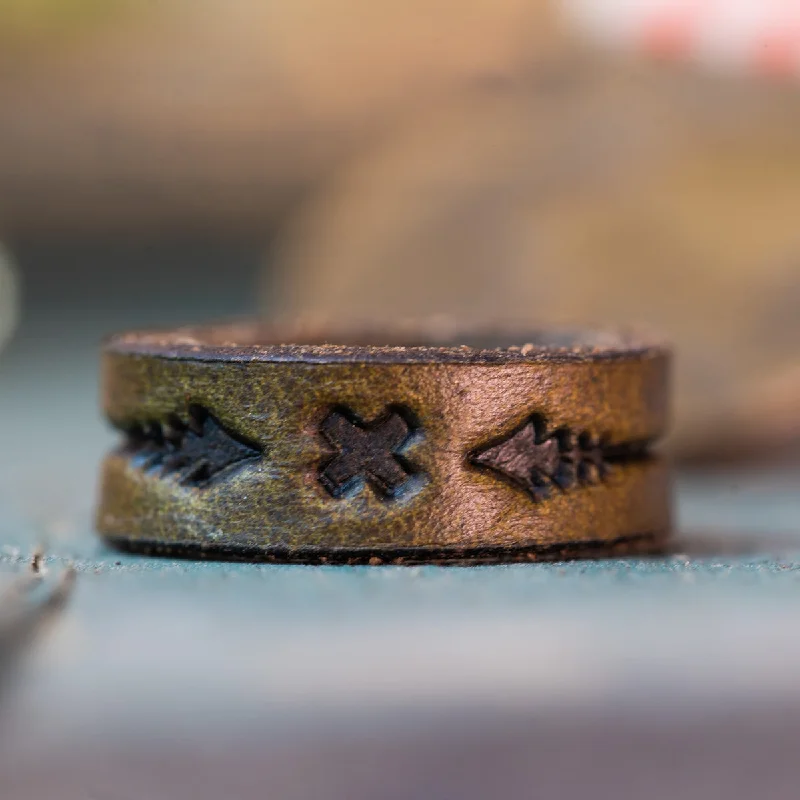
237	448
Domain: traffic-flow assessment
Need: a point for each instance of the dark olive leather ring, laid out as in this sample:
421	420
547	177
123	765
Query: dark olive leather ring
236	447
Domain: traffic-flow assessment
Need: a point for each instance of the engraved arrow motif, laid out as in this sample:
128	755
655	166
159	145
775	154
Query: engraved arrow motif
192	452
537	460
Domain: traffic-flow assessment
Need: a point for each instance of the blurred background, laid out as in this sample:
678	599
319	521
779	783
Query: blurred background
516	162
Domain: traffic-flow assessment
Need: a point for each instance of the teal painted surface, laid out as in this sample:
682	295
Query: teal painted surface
179	651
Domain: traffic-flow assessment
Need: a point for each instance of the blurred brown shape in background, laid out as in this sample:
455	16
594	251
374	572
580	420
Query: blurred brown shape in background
216	114
407	159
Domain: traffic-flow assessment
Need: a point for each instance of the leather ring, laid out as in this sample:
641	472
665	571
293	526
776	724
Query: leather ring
234	447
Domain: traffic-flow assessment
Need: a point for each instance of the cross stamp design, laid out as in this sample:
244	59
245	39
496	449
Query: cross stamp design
366	453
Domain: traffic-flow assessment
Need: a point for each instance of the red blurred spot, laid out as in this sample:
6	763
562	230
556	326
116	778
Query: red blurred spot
669	36
777	54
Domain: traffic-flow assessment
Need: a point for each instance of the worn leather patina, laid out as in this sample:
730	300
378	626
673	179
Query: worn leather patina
237	447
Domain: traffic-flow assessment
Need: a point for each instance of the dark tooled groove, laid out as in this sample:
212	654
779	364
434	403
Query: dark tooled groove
192	451
541	460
